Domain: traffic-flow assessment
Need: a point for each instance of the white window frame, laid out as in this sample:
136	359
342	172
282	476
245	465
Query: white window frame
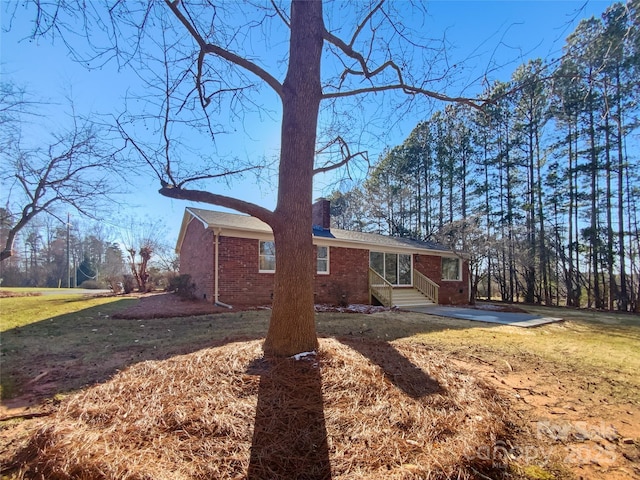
318	259
383	274
442	277
262	255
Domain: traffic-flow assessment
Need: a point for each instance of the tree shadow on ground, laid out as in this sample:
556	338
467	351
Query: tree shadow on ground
289	434
397	368
66	353
289	437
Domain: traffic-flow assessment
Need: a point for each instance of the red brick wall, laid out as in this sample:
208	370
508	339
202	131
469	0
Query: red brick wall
240	281
196	258
451	292
348	279
321	214
242	284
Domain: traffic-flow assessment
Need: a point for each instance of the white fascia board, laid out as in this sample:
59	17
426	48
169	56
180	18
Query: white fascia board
241	233
195	215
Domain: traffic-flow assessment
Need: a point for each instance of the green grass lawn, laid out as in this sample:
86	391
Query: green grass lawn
44	333
610	340
22	311
52	345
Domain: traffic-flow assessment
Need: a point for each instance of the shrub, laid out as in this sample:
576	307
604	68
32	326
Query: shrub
128	283
182	286
115	284
90	285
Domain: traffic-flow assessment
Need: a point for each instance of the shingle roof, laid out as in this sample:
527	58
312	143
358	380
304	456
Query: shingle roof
230	220
245	223
377	239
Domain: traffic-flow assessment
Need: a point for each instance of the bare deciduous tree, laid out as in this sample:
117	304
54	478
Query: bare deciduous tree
72	168
469	241
142	239
234	59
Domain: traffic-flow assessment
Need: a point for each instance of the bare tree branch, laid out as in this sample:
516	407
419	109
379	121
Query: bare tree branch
249	208
72	169
280	14
347	156
223	53
218	175
368	17
411	90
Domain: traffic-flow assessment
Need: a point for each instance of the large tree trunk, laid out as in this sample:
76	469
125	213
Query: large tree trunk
292	325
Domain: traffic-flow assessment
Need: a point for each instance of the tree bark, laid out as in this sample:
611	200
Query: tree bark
594	240
292	325
623	301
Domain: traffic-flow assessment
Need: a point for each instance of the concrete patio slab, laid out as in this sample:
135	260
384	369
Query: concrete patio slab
504	318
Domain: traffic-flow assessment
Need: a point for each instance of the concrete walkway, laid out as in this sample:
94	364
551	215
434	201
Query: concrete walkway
503	318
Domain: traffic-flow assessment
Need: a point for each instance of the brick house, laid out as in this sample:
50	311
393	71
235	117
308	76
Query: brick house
231	260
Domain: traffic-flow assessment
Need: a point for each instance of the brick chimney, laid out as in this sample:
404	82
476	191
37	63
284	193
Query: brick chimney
321	214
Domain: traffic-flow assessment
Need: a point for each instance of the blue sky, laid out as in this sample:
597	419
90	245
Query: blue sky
483	37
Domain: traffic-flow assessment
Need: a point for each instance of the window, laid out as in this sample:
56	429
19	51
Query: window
323	259
267	256
395	268
404	270
391	268
376	262
451	269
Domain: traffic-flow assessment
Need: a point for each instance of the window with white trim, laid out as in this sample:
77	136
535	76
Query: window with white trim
451	269
322	254
395	268
267	256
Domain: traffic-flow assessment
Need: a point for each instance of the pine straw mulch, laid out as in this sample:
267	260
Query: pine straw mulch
362	410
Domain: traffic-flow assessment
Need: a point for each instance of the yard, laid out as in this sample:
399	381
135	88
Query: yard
397	394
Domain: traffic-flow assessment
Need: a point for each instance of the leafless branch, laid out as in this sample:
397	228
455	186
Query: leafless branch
371	13
249	208
212	176
208	48
72	170
280	14
411	90
345	152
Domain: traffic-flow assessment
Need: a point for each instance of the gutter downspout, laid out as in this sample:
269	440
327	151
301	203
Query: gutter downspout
216	242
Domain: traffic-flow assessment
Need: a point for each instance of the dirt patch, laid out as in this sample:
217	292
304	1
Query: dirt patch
580	422
167	305
496	307
8	294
